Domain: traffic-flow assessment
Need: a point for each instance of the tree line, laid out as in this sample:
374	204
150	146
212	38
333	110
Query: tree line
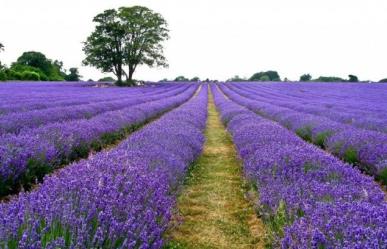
122	40
274	76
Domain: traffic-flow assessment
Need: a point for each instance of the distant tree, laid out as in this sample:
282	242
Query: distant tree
129	36
106	79
73	75
353	78
383	80
1	47
181	78
236	78
306	77
329	79
37	62
196	79
265	76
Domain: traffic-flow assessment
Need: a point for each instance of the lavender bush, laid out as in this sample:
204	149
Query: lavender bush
117	199
366	149
32	153
308	198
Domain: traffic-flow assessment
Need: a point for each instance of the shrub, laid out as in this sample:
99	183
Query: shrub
28	75
3	76
14	75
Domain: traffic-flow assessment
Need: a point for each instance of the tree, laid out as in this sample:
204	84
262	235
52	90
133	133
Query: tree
129	36
306	77
329	79
73	75
383	80
353	78
236	78
196	79
265	76
37	62
106	79
181	78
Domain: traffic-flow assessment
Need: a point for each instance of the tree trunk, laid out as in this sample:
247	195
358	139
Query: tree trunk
131	71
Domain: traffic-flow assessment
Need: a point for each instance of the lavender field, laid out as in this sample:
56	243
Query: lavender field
84	166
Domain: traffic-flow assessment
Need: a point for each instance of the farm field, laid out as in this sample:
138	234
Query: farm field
193	165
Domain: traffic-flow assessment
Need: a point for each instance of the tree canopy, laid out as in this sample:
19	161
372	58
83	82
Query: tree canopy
306	77
127	37
37	62
265	76
181	78
236	78
353	78
73	75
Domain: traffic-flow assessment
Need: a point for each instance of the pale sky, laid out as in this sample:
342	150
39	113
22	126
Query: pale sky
217	38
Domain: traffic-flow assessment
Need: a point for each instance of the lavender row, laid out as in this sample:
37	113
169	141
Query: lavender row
308	198
28	156
362	148
38	99
357	105
117	199
16	122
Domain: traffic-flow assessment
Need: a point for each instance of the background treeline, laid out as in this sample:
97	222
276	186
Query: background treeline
274	76
35	66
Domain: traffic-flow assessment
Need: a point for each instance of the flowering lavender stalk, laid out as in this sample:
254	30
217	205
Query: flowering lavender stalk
308	198
117	199
34	152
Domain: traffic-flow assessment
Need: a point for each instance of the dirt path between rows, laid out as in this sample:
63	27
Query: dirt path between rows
212	209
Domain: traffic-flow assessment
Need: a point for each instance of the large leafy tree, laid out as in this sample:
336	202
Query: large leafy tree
125	38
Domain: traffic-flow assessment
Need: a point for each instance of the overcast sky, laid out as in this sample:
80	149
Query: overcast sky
217	38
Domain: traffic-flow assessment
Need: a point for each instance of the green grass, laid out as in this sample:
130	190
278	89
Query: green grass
212	211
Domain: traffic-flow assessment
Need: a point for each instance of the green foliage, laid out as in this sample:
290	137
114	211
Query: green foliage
350	156
353	78
306	77
195	79
181	78
236	78
329	79
28	75
383	80
265	76
3	75
129	36
382	176
73	75
31	63
106	79
305	133
52	70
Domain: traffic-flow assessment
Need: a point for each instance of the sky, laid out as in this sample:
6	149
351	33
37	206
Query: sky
217	39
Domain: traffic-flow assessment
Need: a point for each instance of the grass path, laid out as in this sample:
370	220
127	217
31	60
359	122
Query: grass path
212	210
